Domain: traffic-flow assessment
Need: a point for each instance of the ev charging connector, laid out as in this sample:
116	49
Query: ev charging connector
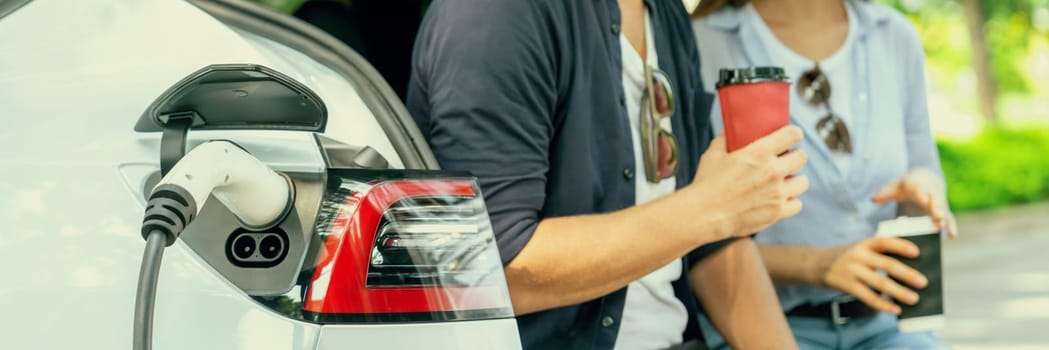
257	196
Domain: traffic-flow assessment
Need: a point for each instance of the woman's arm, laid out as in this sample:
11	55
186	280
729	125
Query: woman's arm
924	184
794	264
921	147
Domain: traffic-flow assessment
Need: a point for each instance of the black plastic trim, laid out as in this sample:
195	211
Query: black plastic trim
177	102
750	75
173	142
8	7
336	176
390	113
410	317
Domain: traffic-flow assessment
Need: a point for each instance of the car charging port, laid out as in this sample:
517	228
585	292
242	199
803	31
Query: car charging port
259	197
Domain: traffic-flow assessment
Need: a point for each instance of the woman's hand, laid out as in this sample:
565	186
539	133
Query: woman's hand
853	269
926	189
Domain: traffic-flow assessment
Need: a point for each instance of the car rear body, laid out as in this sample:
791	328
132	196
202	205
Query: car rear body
74	78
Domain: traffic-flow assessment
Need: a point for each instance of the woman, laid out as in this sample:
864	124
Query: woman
859	95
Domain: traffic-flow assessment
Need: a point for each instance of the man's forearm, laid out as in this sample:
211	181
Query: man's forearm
734	289
573	259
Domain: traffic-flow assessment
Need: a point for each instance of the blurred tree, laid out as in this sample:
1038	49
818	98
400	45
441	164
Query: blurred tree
986	86
999	34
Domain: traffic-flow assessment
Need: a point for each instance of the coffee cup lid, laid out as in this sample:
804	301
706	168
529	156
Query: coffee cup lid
750	75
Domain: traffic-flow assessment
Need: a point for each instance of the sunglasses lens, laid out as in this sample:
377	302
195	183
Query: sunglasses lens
813	87
667	155
662	95
835	133
844	140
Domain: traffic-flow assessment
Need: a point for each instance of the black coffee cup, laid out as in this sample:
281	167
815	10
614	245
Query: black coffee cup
928	313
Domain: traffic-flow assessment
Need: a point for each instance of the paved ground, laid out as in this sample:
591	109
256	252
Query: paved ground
997	280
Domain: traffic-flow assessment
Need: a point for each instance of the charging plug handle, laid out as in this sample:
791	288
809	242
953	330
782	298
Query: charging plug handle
169	210
256	195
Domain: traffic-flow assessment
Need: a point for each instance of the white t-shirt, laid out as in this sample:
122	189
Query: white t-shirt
837	67
653	317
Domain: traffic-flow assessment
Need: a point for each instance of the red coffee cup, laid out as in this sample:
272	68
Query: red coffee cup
754	102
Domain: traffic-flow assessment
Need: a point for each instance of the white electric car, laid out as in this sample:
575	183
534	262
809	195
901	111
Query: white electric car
98	98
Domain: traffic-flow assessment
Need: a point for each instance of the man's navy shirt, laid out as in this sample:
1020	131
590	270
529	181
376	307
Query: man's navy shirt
527	95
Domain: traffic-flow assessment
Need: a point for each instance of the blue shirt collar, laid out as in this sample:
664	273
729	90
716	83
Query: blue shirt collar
870	17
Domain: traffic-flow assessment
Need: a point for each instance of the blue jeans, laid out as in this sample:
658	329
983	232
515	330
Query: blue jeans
876	332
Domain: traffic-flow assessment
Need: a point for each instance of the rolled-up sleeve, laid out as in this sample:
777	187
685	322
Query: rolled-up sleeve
921	147
483	91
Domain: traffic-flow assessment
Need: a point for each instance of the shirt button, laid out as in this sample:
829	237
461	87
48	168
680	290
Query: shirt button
615	28
628	174
863	97
607	321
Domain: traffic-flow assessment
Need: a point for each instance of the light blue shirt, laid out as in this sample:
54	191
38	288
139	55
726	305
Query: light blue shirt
890	128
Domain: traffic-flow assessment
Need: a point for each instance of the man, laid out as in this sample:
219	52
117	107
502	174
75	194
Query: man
557	107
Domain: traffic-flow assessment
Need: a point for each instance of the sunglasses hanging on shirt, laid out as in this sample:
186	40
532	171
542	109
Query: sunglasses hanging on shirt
814	89
658	145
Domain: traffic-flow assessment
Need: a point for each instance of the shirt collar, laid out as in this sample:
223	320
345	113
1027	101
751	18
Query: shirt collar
869	16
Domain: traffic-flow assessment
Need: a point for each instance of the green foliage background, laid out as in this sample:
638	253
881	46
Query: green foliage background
1006	162
1009	27
999	167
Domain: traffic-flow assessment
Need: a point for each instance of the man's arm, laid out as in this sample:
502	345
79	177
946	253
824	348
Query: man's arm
484	91
573	259
734	289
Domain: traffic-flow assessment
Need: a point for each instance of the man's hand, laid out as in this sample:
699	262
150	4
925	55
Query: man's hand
754	186
924	188
853	269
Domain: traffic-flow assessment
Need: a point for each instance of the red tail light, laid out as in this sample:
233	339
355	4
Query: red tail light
403	246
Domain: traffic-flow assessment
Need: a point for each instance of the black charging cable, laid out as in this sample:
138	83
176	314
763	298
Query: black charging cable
169	210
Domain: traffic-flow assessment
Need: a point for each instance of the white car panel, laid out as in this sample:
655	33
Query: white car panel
474	335
74	78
